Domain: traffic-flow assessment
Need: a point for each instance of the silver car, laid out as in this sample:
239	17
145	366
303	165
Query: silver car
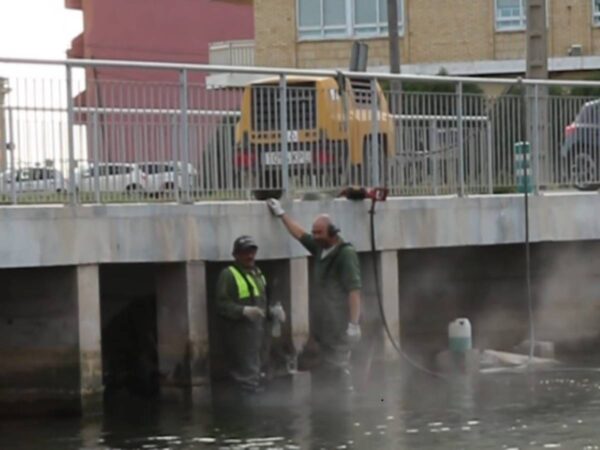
111	177
32	180
165	176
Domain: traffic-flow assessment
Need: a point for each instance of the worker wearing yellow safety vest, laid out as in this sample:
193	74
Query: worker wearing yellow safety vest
242	301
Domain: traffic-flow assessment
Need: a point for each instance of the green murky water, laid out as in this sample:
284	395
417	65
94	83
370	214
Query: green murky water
394	411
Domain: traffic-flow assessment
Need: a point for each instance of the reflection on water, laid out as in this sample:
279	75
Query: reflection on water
411	411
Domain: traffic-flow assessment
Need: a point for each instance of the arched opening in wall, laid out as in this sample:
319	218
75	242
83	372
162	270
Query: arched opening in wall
279	350
129	328
487	285
484	284
39	342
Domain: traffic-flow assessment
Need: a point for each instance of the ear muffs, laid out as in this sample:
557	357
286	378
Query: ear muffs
332	230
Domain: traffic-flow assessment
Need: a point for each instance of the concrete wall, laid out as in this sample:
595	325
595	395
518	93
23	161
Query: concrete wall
464	31
442	258
57	235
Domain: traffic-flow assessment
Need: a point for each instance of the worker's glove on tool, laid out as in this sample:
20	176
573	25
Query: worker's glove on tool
278	313
275	207
353	332
253	313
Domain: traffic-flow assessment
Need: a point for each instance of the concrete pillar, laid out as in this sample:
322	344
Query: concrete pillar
375	345
87	296
390	291
182	325
50	341
299	299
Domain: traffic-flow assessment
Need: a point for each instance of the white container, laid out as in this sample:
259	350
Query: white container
460	335
276	328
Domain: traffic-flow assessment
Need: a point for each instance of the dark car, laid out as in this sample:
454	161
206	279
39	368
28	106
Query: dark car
581	148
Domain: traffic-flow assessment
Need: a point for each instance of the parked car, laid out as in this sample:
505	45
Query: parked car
31	180
111	177
168	175
581	148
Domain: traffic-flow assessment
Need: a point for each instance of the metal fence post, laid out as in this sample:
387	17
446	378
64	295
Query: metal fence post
10	145
184	137
174	124
490	166
283	117
95	145
71	135
375	153
433	154
461	143
535	161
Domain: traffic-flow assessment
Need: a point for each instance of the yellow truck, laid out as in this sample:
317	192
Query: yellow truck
330	128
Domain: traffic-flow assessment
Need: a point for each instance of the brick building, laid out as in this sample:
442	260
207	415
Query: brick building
468	37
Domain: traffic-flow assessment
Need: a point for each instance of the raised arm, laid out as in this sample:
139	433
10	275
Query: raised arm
294	228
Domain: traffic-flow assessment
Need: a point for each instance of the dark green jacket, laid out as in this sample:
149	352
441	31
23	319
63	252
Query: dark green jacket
229	304
334	277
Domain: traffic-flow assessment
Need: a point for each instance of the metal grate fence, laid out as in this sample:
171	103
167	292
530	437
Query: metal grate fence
140	132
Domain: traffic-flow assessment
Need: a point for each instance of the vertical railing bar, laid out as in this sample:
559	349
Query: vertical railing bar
461	148
12	147
70	135
95	144
185	147
374	155
284	134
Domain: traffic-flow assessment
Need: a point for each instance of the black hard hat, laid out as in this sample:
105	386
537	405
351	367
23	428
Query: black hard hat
244	243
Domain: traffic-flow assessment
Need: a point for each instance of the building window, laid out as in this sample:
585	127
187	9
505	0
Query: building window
596	12
371	17
511	15
322	19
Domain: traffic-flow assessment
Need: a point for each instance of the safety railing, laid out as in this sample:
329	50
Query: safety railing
114	131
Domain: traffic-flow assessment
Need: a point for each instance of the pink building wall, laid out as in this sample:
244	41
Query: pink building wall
158	30
177	31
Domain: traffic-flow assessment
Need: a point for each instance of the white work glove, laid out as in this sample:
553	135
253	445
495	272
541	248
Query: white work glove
278	312
275	207
353	333
253	313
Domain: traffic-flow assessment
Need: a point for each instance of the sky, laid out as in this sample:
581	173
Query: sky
36	29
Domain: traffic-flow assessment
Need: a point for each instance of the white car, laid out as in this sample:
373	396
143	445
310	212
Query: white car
167	175
32	180
111	177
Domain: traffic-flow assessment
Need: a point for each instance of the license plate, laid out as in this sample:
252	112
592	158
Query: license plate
276	158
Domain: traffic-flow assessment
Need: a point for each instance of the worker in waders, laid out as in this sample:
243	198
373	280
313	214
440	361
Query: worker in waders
336	289
243	304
